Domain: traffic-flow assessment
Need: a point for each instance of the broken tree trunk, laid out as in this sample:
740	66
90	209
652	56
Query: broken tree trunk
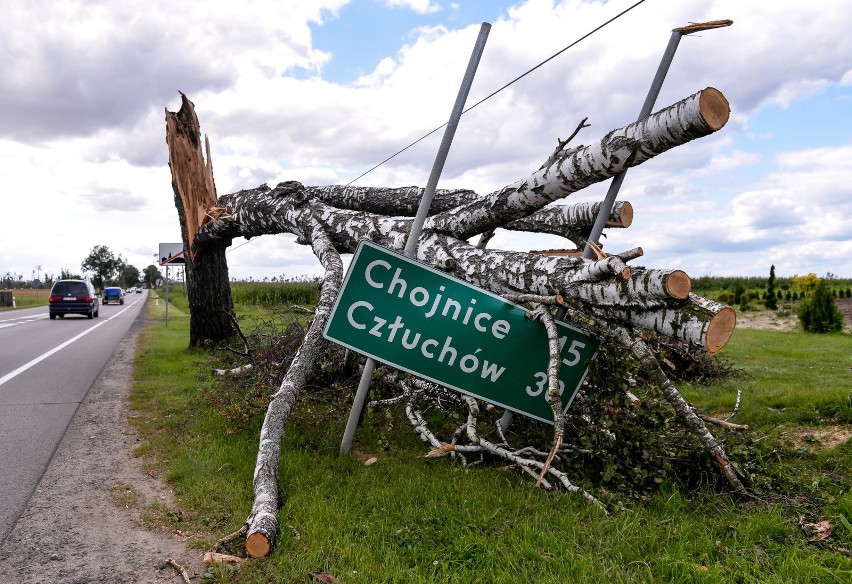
263	519
207	283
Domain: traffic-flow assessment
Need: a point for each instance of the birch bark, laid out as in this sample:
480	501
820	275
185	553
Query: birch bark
262	521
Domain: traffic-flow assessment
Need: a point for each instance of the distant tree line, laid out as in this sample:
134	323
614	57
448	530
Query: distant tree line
101	266
815	296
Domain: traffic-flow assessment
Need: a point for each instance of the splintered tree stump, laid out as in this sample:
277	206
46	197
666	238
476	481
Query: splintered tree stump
206	269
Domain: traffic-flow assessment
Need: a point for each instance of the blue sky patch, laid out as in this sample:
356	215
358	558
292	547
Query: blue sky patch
366	31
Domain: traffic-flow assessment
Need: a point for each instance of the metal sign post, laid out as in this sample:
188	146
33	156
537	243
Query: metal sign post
650	99
167	294
170	253
420	219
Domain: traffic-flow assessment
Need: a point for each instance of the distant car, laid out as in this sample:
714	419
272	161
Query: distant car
131	289
139	290
72	297
113	295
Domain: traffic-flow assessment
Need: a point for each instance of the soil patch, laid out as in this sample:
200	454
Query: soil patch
845	306
787	320
83	522
819	437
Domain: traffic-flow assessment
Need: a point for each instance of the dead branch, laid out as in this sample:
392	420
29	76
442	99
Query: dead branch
180	570
211	558
234	371
560	144
736	405
229	538
723	423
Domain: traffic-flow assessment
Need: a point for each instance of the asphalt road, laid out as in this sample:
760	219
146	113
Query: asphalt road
46	369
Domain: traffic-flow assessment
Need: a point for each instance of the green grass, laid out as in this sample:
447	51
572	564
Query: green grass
788	379
405	519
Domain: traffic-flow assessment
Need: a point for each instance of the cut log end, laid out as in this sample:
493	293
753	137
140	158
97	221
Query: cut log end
257	545
623	217
678	285
626	214
714	108
720	329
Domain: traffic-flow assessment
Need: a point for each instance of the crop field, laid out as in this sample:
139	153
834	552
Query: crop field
27	298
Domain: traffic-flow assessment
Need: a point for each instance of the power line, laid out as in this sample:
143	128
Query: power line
246	242
516	79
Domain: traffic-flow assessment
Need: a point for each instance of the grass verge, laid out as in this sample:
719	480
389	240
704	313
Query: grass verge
404	519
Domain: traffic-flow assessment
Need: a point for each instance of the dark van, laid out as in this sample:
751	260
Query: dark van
73	297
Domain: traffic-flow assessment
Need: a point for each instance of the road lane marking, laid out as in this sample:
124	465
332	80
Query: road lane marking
21	320
43	356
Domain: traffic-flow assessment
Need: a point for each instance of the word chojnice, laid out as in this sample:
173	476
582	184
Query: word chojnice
420	297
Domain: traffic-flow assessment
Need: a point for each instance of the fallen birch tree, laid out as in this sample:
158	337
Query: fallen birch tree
605	295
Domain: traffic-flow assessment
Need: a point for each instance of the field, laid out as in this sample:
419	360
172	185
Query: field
27	298
405	519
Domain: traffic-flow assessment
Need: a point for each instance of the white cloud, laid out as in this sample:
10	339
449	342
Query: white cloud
419	6
83	93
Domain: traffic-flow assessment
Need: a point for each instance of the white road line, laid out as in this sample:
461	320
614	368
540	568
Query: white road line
23	319
43	356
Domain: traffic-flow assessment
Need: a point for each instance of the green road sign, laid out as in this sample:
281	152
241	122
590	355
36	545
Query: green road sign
420	320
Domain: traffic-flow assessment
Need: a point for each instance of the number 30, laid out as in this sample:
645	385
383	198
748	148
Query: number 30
542	383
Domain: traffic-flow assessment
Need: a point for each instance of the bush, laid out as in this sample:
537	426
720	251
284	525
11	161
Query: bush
819	313
738	293
727	298
771	298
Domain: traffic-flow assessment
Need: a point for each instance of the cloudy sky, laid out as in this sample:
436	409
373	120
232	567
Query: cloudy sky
319	91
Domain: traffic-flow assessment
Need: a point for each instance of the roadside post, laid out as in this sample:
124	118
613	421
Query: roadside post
170	253
419	220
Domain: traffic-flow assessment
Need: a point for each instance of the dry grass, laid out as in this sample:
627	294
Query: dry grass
27	298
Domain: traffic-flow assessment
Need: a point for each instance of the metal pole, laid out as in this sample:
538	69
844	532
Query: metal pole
653	92
615	185
444	149
419	220
167	294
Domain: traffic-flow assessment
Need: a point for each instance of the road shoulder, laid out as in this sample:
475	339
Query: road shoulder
82	523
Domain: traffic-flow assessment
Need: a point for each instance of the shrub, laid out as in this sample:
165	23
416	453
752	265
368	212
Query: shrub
727	298
739	290
819	313
806	283
771	298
